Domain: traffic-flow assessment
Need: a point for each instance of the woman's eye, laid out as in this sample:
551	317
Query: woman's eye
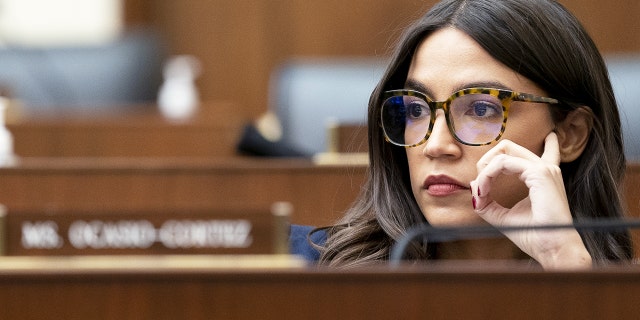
482	109
416	111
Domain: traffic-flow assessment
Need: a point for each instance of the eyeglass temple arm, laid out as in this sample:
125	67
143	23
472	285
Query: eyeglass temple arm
527	97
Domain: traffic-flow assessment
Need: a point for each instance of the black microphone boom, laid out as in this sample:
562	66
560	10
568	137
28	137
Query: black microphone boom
444	234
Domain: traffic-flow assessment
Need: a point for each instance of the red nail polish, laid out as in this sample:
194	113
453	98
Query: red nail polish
473	202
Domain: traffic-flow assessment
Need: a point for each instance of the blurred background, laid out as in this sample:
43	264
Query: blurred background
259	55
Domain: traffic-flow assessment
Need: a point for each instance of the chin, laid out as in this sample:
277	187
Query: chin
453	218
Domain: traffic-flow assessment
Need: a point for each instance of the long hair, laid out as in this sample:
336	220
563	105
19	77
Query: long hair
544	42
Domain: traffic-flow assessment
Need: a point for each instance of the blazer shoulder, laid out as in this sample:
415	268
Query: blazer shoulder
301	239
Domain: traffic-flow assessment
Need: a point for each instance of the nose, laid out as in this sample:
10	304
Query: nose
441	143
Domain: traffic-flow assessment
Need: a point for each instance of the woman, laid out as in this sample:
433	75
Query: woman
558	158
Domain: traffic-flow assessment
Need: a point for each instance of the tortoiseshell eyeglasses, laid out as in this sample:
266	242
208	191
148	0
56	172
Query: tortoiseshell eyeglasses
475	116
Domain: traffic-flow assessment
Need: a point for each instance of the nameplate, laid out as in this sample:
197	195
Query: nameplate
105	233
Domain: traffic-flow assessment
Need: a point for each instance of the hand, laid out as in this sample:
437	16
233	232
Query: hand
546	203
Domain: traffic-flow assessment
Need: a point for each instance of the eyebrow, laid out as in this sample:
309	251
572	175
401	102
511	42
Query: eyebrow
413	84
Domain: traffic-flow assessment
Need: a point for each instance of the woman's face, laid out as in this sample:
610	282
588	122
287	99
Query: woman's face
442	168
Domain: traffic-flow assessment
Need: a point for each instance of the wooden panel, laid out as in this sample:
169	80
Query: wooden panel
136	12
350	138
319	194
632	189
241	42
134	131
174	289
613	24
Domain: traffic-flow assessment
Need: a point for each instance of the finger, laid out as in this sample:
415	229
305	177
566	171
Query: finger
505	147
500	165
493	213
551	152
505	164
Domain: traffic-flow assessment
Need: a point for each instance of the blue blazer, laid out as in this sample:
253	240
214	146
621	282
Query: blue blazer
299	242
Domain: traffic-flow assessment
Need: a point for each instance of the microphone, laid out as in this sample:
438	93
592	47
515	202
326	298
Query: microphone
445	234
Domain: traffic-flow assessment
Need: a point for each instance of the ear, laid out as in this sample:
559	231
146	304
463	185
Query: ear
573	133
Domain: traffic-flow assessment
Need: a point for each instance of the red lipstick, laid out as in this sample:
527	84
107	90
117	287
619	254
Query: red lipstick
442	185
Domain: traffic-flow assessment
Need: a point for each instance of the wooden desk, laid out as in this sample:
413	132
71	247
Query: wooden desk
319	194
166	288
632	189
128	131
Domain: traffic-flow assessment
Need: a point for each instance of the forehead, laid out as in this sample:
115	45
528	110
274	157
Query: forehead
449	60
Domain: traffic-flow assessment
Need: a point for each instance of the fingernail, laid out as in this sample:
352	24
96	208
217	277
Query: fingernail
473	202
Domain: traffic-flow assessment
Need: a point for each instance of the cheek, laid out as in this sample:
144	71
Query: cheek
414	163
533	141
508	190
529	129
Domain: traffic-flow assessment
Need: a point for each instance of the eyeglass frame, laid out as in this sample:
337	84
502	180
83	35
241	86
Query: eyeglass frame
506	97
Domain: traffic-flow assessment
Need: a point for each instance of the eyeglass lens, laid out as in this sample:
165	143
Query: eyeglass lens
473	118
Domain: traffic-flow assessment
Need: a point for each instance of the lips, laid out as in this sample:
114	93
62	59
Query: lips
442	185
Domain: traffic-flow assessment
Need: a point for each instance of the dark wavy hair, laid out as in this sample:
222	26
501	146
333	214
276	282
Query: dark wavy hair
544	42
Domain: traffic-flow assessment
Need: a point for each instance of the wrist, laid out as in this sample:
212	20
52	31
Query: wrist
570	255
